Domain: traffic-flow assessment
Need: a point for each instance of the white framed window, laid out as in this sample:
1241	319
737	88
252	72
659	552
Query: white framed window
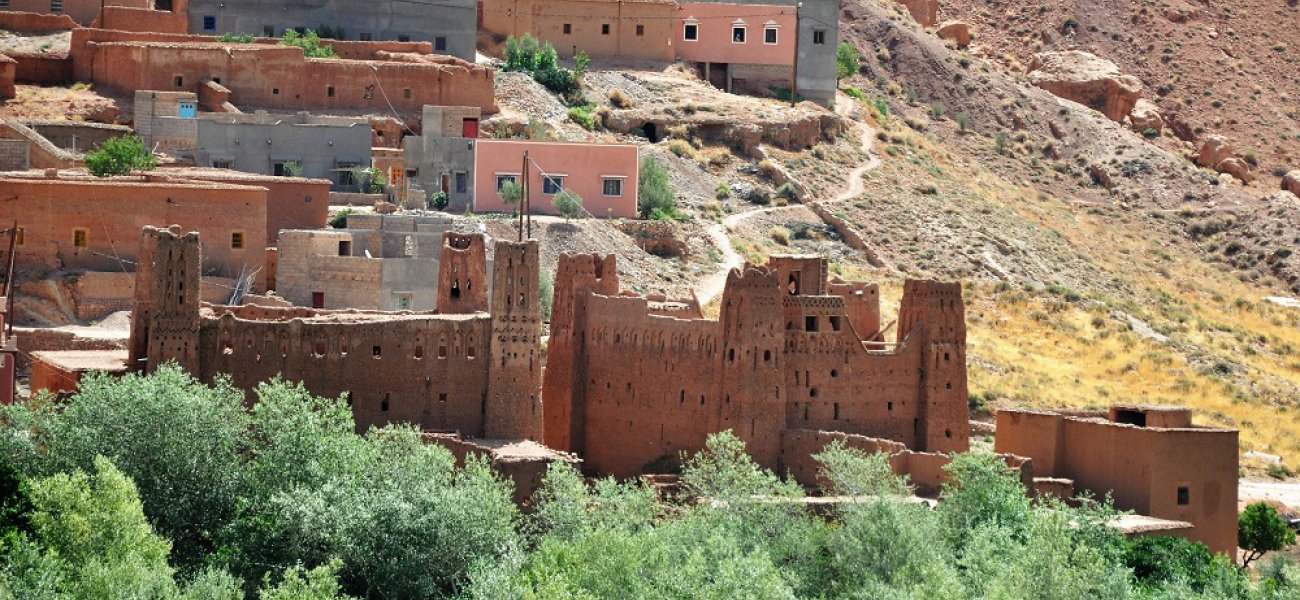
739	32
611	186
503	178
770	33
691	31
552	184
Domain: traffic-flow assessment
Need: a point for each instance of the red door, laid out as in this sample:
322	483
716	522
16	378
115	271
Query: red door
318	299
469	128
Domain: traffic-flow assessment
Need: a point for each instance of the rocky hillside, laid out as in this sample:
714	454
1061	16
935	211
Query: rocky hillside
1225	69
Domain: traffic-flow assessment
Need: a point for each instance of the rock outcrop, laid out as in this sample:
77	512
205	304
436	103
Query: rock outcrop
1146	116
925	12
1291	182
1216	153
1236	167
1214	149
1087	79
955	31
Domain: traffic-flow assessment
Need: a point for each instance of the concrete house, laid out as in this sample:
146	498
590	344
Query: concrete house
449	25
299	144
442	159
604	175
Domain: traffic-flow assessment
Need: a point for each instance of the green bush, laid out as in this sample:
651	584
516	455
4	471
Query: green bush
569	204
847	59
583	115
1161	560
511	193
309	42
656	197
1260	530
340	219
529	55
243	38
439	200
853	92
120	156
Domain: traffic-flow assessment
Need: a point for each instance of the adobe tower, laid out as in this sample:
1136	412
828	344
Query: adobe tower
514	408
935	309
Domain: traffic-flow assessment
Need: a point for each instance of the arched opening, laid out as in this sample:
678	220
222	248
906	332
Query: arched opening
651	132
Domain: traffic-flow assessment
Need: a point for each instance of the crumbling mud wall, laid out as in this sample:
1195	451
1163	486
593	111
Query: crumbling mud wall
627	388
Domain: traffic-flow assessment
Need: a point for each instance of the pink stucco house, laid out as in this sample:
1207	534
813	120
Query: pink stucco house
604	175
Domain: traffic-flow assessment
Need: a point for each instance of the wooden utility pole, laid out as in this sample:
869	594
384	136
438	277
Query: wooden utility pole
523	194
794	82
9	279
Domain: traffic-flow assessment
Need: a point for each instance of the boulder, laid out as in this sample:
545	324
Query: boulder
925	12
1291	182
385	208
1087	79
1214	149
1146	116
955	31
1101	176
1237	168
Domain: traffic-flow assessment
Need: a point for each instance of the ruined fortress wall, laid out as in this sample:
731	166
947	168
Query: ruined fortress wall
268	76
462	262
428	370
653	384
515	378
565	381
1038	435
861	305
52	211
932	315
833	383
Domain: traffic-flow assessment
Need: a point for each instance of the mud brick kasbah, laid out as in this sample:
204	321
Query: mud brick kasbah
629	379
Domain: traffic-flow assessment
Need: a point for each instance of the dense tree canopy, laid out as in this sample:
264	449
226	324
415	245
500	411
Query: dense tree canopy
162	487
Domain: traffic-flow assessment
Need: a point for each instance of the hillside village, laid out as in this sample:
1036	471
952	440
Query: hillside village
605	237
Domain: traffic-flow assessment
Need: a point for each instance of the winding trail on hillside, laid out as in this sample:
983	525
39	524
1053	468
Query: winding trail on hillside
711	286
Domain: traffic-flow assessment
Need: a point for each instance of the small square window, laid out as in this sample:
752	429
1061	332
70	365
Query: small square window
80	238
403	38
376	351
20	237
268	31
301	30
345	248
1184	496
604	29
370	92
568	28
611	187
552	184
275	91
209	23
237	240
691	32
440	43
365	37
222	164
819	36
810	323
462	183
738	35
406	93
178	81
640	30
769	35
329	91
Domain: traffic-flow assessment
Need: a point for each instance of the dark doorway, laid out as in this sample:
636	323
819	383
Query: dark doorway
651	132
718	75
318	299
1131	417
